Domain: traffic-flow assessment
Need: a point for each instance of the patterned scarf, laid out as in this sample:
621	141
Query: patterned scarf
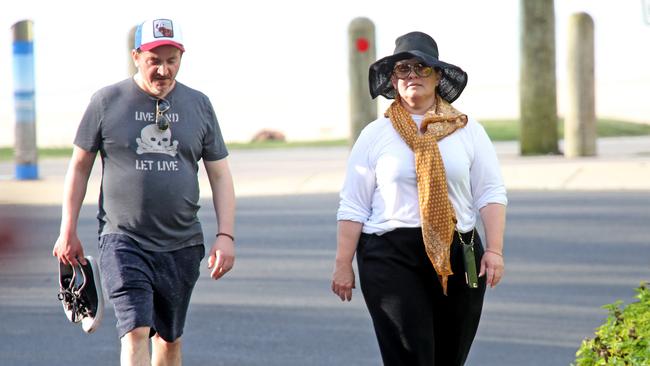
436	212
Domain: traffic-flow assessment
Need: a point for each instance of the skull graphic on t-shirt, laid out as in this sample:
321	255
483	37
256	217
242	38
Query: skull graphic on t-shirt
154	140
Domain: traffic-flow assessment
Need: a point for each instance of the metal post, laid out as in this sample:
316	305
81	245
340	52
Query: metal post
537	85
362	53
580	120
26	154
132	70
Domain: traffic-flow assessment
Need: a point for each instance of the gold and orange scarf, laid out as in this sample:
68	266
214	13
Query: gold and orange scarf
436	211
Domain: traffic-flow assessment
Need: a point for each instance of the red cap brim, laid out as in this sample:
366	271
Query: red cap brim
151	45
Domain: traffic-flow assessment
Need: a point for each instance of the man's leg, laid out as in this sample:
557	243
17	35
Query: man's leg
176	274
165	353
135	348
126	277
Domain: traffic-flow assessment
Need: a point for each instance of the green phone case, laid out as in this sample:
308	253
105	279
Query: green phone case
470	266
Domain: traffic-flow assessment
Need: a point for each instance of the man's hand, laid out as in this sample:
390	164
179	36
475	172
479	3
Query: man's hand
69	250
222	257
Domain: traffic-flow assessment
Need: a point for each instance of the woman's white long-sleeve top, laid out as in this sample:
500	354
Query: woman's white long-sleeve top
380	188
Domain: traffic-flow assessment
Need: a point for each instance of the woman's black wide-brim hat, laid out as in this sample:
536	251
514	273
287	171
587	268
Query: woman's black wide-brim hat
416	45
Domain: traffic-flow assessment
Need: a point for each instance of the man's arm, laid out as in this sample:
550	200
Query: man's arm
68	248
222	254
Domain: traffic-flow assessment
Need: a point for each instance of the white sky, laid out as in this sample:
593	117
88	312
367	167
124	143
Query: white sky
283	64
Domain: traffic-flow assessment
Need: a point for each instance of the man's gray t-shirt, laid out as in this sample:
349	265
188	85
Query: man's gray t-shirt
150	187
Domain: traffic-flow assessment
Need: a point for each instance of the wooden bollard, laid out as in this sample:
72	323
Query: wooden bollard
537	83
362	53
580	119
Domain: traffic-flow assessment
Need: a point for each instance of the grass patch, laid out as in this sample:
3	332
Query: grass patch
502	130
611	128
279	144
498	130
508	130
7	153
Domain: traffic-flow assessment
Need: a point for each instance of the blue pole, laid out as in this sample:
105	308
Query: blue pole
25	106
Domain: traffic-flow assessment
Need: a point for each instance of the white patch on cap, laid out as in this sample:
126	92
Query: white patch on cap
163	28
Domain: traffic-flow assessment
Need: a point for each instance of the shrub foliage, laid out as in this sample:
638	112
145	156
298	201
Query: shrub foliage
624	338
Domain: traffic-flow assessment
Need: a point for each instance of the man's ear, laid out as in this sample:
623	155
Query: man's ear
135	55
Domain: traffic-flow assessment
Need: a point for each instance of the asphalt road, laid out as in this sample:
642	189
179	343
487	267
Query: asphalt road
567	254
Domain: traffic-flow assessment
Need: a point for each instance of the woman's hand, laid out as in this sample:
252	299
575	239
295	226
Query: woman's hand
492	265
343	280
494	219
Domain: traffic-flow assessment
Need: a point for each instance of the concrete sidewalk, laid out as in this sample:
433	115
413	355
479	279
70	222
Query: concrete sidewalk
623	163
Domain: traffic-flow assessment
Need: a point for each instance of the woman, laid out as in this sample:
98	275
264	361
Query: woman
416	181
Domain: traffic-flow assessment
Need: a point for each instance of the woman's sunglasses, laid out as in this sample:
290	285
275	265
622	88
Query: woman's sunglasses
402	71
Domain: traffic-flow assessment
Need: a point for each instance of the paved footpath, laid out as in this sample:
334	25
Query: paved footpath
569	251
622	163
567	254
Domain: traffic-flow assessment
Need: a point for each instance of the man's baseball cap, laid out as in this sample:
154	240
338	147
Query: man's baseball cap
158	32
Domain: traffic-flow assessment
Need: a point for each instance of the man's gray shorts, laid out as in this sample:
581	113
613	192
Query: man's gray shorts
148	289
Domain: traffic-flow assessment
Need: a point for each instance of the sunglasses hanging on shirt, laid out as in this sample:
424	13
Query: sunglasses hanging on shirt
162	106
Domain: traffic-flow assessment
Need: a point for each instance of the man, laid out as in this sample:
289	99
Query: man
151	131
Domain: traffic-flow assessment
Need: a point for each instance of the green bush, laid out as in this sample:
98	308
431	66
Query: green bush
624	339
